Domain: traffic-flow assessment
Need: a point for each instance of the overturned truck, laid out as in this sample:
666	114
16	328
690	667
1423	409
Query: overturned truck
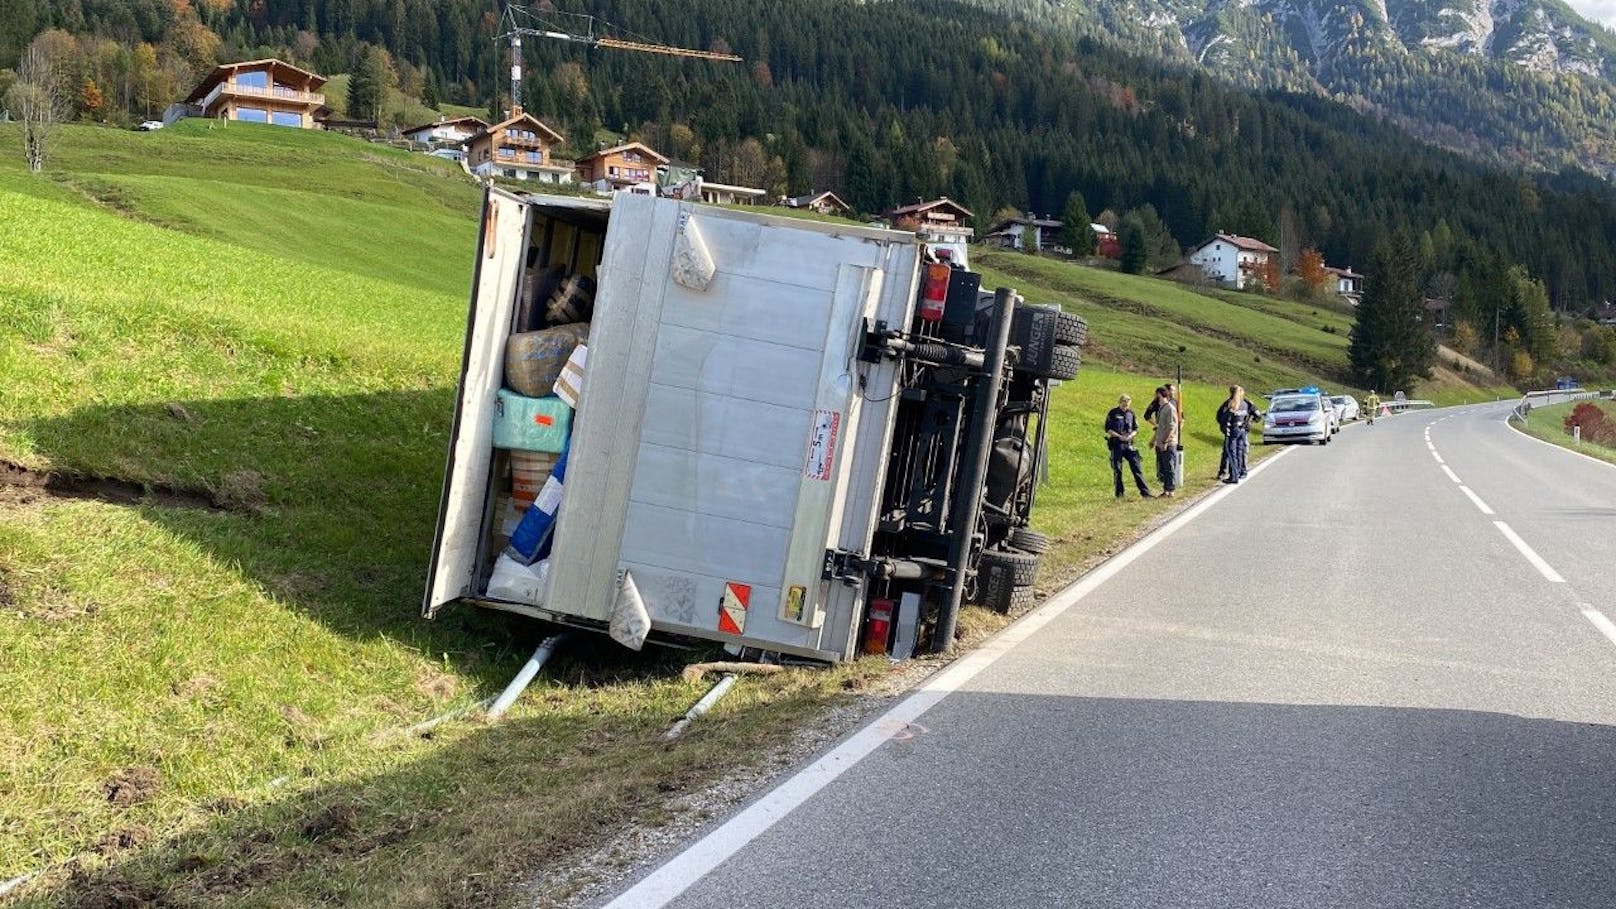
787	436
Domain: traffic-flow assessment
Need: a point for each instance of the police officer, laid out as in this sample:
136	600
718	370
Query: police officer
1121	425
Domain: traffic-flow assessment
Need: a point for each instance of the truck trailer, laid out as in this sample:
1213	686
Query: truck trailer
787	436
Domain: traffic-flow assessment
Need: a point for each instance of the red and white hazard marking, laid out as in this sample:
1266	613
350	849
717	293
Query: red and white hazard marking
732	608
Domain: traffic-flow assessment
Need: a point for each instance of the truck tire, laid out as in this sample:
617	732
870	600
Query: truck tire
1071	329
1063	363
1003	597
1028	540
1021	566
1022	599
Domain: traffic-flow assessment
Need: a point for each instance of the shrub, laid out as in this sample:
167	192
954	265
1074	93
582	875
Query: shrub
1597	426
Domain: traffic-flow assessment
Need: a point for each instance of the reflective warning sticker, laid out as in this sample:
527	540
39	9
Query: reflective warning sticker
822	444
796	599
732	608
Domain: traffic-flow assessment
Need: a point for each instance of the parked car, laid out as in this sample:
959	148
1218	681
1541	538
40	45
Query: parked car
1346	408
147	126
1299	416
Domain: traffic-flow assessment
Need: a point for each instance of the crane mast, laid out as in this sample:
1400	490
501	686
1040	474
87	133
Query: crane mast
519	22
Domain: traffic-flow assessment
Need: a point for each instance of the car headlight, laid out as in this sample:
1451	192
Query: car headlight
1316	418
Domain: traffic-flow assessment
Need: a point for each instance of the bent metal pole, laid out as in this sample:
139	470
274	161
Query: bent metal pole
978	445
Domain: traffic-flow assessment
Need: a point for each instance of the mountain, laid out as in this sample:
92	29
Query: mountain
1521	82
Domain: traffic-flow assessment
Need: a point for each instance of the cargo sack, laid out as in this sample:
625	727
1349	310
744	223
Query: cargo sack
518	583
537	288
533	359
573	301
530	424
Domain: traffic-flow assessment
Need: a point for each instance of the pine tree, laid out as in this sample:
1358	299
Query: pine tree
1076	234
1135	250
1391	347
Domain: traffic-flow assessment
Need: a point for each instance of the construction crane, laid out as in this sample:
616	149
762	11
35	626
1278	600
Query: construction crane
520	21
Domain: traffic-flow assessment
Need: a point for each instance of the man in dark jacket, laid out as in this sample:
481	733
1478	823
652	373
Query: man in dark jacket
1120	428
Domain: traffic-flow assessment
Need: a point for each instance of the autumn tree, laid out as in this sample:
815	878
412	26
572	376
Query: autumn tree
37	99
90	99
1310	268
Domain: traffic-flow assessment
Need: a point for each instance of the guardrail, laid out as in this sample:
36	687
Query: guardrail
1523	408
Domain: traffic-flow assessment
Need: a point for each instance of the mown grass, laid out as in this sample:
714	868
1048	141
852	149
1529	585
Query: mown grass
1548	424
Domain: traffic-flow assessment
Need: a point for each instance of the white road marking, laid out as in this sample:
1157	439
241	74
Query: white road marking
1605	626
1438	458
1449	471
665	884
1531	556
1476	499
1429	445
1526	435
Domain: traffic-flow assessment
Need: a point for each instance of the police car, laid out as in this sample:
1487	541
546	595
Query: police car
1299	415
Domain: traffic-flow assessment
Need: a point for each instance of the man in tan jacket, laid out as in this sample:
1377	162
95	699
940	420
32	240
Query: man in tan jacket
1165	440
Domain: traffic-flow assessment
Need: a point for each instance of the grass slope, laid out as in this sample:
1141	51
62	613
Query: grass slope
1548	424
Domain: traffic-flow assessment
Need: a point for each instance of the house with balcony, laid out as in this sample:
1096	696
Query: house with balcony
825	203
1028	233
518	148
1232	260
452	132
259	91
730	194
620	167
1348	284
940	224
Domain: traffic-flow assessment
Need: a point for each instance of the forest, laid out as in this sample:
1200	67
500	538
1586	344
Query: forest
885	103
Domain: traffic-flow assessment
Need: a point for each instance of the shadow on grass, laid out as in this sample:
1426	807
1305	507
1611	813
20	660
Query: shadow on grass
1209	801
328	503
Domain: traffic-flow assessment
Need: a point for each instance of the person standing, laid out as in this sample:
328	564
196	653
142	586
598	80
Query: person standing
1235	417
1121	426
1165	440
1372	403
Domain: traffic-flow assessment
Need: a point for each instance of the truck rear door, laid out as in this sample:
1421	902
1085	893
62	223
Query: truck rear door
721	420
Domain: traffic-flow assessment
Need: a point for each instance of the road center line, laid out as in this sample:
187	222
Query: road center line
1476	499
1438	457
1605	626
1531	556
1429	445
1449	471
665	884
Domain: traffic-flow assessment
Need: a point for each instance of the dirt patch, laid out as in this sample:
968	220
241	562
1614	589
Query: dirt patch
132	786
336	821
243	491
8	599
121	894
124	839
435	684
23	486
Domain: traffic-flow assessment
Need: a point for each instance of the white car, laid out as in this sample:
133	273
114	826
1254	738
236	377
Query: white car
1346	408
147	126
1299	417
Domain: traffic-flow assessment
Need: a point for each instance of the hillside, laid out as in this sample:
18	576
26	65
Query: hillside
988	109
1520	82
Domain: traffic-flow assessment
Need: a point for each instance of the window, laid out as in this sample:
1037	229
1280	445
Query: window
509	173
286	118
631	157
257	79
252	115
534	157
506	152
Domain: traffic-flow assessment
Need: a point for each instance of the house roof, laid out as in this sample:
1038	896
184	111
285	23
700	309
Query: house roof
813	198
1004	226
223	71
1099	228
641	146
730	187
527	117
919	208
1342	272
1239	242
481	123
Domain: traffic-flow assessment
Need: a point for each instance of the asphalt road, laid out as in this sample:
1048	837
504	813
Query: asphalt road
1343	684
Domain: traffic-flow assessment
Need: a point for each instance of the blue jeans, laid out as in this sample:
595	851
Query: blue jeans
1234	454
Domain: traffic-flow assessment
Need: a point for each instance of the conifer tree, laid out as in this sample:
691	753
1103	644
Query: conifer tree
1391	346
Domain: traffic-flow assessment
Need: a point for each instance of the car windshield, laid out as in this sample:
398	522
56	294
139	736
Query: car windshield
1339	399
1294	405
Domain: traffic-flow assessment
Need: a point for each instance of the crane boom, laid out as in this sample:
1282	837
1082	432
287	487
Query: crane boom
515	30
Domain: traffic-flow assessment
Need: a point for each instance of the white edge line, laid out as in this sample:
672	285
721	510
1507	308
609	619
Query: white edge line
679	873
1438	457
1605	626
1449	471
1429	445
1526	435
1476	499
1531	556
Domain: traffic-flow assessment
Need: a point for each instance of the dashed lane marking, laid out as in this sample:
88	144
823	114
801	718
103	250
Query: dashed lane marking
1537	561
1476	499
